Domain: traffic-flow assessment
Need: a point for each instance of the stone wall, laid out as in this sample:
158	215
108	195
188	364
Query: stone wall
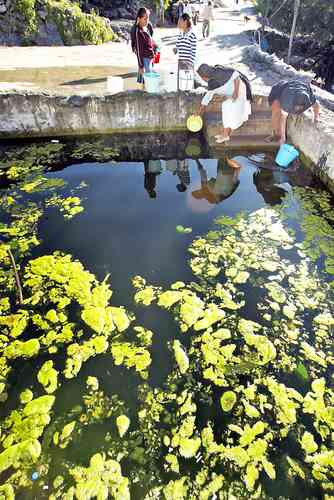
316	143
25	114
28	114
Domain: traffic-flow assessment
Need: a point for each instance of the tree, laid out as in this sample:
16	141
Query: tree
293	28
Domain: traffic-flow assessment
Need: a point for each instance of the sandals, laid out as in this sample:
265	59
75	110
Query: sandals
272	138
221	138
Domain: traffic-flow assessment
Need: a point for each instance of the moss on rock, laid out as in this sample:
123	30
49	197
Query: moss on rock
75	25
51	22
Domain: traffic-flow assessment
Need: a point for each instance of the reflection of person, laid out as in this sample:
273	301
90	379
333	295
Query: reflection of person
235	86
217	189
142	43
181	169
286	97
264	181
152	170
182	172
207	16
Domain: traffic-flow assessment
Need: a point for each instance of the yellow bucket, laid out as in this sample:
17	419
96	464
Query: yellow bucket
194	123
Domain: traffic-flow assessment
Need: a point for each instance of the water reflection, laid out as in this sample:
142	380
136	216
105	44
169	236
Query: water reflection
180	168
266	184
270	181
217	188
210	182
152	168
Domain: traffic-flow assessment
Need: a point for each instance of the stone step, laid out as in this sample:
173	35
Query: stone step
216	116
251	127
245	142
251	135
259	103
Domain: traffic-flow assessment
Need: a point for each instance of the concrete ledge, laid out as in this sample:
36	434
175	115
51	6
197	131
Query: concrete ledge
316	143
30	114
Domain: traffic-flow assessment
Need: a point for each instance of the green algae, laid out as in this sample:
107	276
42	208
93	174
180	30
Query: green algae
175	442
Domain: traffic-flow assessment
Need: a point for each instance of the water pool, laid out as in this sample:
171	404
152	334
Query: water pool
175	337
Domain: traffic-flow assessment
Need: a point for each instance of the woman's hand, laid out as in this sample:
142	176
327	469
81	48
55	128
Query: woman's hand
201	109
235	95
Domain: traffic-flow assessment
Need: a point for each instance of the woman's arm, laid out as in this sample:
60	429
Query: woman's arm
208	97
316	111
283	120
139	47
193	47
236	83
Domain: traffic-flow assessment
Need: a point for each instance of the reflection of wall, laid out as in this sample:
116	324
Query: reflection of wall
104	148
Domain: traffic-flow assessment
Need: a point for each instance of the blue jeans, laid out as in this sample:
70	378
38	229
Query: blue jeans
148	66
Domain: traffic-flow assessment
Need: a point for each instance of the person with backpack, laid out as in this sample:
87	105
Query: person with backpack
289	97
142	43
236	89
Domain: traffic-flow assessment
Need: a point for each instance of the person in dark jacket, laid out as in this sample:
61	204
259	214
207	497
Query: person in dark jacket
290	97
236	91
142	43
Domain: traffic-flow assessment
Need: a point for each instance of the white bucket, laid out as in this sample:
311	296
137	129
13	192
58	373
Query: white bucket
186	79
115	84
152	82
170	81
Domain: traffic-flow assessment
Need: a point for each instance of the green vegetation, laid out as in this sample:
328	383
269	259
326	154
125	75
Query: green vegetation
28	9
247	400
72	23
74	26
315	17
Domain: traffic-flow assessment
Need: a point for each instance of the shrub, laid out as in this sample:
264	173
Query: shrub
74	24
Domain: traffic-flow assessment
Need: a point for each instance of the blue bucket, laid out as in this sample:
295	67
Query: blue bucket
286	154
152	82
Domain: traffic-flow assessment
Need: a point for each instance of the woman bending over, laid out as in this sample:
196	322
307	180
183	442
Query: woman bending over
235	88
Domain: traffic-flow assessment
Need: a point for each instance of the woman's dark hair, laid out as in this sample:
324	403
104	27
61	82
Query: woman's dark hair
142	11
209	3
186	17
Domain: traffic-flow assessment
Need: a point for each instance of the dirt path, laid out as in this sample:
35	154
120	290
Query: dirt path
84	69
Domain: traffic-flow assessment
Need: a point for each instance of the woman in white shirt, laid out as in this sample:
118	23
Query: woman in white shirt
207	16
187	9
186	47
235	87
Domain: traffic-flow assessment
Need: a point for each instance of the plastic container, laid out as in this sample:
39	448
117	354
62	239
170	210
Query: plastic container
170	81
115	84
156	58
286	154
186	80
152	82
194	123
